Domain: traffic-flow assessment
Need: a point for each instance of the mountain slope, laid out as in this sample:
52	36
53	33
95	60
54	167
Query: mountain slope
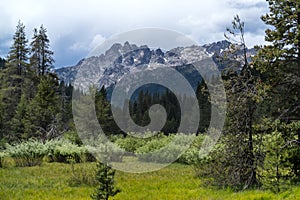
108	68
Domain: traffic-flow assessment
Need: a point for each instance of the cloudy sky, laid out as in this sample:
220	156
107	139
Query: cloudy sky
75	27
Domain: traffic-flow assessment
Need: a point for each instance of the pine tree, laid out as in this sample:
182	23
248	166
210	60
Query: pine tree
18	54
235	166
2	63
103	112
41	56
105	178
43	112
204	106
279	62
12	78
17	124
65	93
242	94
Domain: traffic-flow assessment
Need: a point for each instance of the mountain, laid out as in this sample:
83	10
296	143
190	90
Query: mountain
108	68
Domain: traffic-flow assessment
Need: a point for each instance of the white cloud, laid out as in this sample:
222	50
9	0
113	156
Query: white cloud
77	26
87	45
98	39
254	39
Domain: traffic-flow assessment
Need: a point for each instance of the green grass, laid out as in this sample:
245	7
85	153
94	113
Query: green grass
54	181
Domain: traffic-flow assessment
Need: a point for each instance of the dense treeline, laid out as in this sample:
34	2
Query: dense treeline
34	103
139	107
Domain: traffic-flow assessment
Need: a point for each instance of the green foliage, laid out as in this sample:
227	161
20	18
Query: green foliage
144	152
279	144
131	143
18	54
69	152
192	154
45	106
17	124
28	153
30	106
279	64
235	166
12	80
275	172
281	57
103	112
204	106
139	109
65	151
165	148
176	144
41	56
32	152
209	168
73	137
101	149
105	177
31	102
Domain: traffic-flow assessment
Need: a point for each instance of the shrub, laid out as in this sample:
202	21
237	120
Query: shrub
28	153
65	151
155	151
210	168
146	153
51	145
279	148
73	137
69	152
275	172
191	155
101	149
130	144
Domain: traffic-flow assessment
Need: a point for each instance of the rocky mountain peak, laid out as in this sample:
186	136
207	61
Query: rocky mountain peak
217	47
118	60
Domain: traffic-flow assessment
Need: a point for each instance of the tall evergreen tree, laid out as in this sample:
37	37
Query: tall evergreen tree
204	106
103	112
18	54
65	93
242	93
279	61
17	124
41	58
12	78
235	165
43	112
2	63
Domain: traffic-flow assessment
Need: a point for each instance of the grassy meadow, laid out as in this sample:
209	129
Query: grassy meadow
56	181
